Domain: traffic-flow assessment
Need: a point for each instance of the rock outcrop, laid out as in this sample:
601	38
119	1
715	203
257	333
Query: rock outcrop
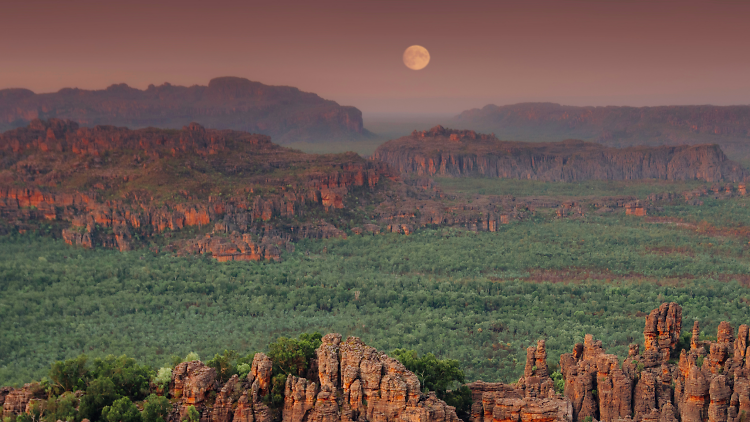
710	382
349	381
285	113
533	398
111	186
447	152
353	382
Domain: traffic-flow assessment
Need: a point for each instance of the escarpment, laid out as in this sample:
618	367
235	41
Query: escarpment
447	152
246	197
285	113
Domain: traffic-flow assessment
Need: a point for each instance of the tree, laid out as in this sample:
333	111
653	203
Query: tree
223	364
438	375
163	377
130	379
156	408
62	408
69	375
291	356
101	393
434	374
122	410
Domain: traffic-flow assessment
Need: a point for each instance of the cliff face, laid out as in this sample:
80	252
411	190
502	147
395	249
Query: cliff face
350	381
285	113
447	152
728	126
114	187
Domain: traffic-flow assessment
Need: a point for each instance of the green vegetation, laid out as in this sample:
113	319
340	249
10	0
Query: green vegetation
477	298
438	375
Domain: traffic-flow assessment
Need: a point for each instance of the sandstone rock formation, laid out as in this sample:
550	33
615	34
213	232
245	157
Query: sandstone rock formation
533	398
110	186
353	382
448	152
710	383
285	113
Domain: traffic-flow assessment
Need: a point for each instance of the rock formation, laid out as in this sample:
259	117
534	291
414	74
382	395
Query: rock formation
447	152
710	382
285	113
109	186
533	398
353	382
349	381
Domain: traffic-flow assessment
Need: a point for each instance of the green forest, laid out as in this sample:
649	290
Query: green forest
478	298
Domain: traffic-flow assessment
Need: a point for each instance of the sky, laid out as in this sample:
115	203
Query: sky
577	52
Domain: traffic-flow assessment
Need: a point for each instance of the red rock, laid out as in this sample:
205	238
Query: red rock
432	152
663	326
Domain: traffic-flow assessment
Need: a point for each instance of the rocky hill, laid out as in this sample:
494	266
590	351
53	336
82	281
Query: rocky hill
667	380
448	152
728	126
238	196
243	196
285	113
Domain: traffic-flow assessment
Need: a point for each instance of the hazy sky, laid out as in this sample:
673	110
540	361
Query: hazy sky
585	52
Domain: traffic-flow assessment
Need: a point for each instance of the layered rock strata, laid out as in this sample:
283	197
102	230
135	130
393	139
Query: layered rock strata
448	152
109	186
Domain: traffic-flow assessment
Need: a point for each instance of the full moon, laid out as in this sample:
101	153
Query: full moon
416	57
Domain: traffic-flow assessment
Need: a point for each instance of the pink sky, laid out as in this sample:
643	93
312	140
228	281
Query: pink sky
586	52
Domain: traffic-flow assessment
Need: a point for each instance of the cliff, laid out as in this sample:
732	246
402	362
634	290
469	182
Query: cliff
285	113
244	196
728	126
448	152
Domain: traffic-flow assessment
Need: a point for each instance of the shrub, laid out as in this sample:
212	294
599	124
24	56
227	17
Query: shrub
191	357
163	377
243	369
223	364
101	393
130	379
156	408
434	374
62	408
122	410
69	375
559	381
192	414
291	356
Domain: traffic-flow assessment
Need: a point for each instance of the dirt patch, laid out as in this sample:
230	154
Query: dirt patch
581	275
702	227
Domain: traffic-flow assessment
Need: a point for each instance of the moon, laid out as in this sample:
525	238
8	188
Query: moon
416	57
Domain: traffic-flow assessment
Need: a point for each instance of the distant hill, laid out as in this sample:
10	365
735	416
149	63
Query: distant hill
285	113
727	126
448	152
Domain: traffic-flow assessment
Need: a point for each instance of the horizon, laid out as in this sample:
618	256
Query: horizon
576	52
